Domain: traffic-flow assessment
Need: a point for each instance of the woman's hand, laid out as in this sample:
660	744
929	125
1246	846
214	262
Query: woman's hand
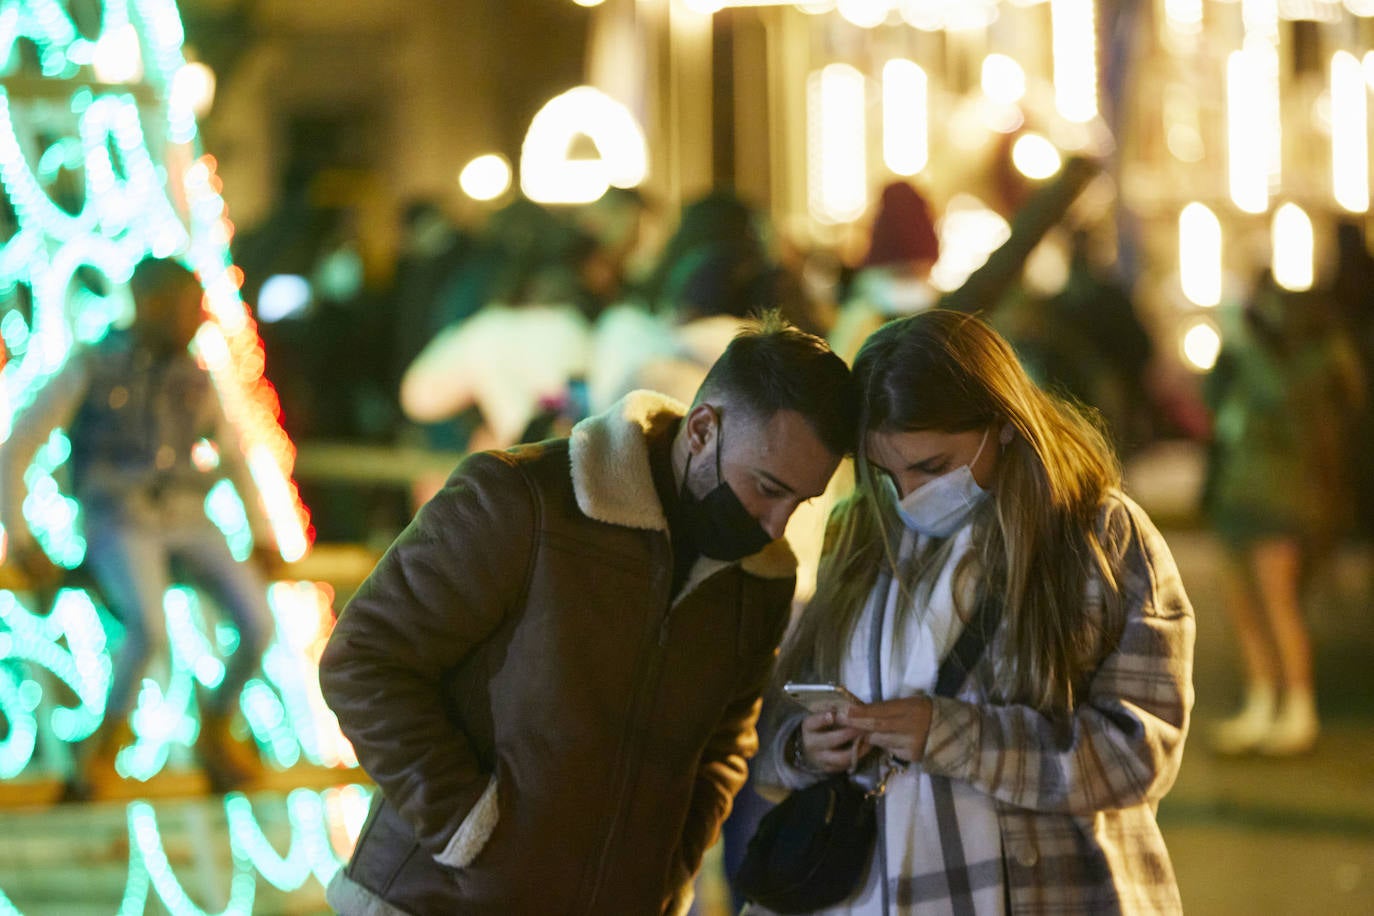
827	747
899	727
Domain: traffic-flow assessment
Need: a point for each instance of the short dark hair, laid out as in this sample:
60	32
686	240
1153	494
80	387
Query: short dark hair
772	366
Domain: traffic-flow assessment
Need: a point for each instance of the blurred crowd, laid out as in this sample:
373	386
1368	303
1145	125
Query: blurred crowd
485	334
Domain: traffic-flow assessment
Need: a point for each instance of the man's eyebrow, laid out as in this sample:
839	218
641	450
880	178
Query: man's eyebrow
780	484
784	485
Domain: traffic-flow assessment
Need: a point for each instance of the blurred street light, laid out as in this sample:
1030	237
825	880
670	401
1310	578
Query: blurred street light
486	177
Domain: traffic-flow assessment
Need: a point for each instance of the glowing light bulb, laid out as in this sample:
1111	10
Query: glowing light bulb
1035	157
548	173
486	177
118	57
1200	344
1184	15
193	88
1074	46
1199	254
866	14
906	114
1292	238
1246	135
837	150
1003	79
1349	133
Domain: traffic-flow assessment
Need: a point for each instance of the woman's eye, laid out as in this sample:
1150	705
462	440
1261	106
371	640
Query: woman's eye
771	492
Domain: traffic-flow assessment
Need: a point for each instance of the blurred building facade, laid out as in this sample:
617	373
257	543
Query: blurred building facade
1252	111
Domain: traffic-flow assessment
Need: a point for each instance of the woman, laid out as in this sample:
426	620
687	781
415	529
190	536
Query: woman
1285	396
1032	788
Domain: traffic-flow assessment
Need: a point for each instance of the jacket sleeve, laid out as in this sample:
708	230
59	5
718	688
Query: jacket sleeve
441	589
774	774
724	762
1123	744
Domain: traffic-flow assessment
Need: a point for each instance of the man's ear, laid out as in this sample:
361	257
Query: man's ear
701	427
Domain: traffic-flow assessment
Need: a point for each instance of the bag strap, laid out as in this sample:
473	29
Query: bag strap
875	677
875	637
969	646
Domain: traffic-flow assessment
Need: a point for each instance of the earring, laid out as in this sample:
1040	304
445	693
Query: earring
1008	433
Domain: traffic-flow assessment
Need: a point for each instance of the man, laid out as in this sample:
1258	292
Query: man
149	439
554	674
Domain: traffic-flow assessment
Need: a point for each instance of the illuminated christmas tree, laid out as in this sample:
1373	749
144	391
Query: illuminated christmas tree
101	167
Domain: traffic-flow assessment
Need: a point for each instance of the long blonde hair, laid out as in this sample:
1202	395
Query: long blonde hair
1036	544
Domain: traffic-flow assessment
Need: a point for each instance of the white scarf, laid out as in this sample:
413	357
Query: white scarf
914	640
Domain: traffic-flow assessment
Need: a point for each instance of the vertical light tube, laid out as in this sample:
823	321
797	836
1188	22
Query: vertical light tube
1075	58
906	117
1261	49
1349	133
1247	168
1292	240
1199	254
836	143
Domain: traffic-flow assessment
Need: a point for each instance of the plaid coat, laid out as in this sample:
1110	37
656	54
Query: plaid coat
1075	801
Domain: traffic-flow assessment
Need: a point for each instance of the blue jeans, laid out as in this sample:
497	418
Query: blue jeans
131	563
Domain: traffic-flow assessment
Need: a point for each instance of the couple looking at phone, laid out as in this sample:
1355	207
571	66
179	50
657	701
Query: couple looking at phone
554	674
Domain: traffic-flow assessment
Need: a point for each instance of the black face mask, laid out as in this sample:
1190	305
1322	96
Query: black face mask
718	524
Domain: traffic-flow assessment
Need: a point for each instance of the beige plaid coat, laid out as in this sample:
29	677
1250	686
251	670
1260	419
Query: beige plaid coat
1075	800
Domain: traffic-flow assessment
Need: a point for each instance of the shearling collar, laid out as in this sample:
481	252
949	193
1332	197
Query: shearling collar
613	483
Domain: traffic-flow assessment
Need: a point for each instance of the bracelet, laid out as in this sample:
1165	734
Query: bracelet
797	757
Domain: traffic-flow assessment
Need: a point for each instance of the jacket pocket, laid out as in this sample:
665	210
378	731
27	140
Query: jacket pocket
473	833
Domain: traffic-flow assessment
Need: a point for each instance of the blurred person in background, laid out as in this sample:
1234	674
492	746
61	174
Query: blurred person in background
1352	291
433	248
149	438
615	223
553	675
516	359
712	273
724	220
893	279
1284	395
1097	309
705	300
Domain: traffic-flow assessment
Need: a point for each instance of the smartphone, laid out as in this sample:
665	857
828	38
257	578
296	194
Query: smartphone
820	697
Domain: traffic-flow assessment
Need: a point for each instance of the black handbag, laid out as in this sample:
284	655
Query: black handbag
810	850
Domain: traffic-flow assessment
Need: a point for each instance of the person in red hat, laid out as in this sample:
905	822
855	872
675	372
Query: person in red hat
893	279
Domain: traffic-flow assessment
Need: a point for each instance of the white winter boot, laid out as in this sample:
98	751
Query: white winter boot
1295	728
1244	732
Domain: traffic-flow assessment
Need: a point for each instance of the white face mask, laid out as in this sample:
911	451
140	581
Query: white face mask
897	295
940	507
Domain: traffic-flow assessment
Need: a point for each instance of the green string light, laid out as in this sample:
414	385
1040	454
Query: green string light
104	143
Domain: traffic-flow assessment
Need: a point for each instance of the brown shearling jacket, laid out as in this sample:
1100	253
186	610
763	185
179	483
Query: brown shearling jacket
550	730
